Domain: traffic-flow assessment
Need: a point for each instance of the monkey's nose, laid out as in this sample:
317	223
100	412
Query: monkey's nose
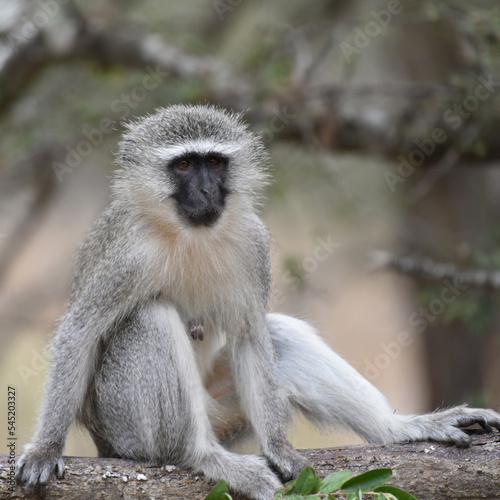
209	192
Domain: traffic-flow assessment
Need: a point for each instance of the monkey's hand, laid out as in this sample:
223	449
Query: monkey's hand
35	467
448	425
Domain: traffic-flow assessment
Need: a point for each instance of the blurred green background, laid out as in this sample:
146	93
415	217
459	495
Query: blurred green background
382	121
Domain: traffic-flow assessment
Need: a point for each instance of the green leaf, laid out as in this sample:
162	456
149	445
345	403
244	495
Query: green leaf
279	494
399	494
219	492
286	490
334	481
367	481
307	482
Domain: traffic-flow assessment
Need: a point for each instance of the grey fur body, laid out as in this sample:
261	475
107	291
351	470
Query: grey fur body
125	360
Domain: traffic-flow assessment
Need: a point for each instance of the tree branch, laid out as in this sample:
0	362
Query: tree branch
308	104
423	267
429	471
109	45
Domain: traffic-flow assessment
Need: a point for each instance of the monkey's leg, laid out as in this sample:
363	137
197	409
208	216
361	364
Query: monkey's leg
330	392
229	423
151	404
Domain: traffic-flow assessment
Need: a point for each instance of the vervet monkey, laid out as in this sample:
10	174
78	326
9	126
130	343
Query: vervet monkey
172	285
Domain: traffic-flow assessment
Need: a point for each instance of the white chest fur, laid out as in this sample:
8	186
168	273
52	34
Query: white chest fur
201	272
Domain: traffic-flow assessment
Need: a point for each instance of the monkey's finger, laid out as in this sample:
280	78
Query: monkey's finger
30	480
486	427
494	422
26	476
487	419
459	438
42	482
60	469
20	468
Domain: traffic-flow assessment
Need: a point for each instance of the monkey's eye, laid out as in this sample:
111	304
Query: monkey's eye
213	162
184	163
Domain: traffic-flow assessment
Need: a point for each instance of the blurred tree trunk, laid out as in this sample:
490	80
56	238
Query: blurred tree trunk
461	356
449	216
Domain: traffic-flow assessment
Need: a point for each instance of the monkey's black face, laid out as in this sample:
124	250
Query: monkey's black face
201	190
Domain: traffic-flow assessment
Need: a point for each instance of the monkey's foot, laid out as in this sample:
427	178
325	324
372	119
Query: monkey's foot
449	425
288	463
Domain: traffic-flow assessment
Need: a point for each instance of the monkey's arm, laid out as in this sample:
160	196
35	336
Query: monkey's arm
254	363
262	400
104	296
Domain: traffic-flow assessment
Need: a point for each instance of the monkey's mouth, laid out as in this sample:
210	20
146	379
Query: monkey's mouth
205	217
